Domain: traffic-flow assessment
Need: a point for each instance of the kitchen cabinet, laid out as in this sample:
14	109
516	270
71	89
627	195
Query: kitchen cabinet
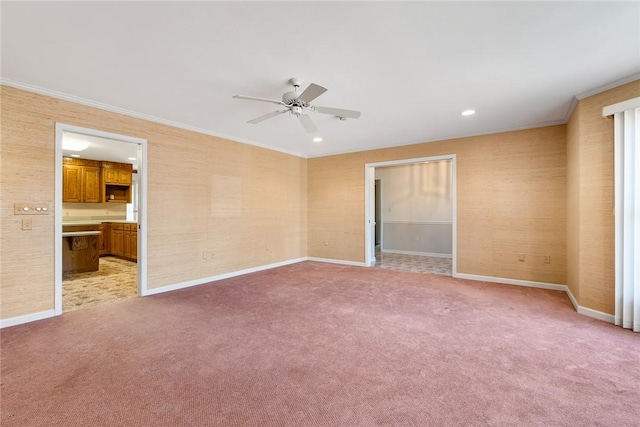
104	246
124	240
117	173
80	252
133	236
115	184
80	181
95	181
117	239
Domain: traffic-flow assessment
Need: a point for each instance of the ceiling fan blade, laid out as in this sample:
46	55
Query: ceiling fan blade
307	123
311	93
266	116
253	98
350	114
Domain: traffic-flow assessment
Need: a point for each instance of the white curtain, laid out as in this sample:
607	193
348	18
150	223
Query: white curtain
627	214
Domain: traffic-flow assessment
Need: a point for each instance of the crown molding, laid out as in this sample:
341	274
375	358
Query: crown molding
599	89
447	138
135	114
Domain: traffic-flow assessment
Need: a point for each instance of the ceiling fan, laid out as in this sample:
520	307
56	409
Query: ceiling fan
297	103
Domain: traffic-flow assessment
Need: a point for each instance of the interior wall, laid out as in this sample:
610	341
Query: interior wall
83	211
511	200
214	205
417	207
591	199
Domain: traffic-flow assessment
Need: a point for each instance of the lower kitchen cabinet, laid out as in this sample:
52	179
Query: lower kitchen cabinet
104	239
124	240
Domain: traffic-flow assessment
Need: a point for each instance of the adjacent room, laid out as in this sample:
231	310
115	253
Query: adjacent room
99	220
319	213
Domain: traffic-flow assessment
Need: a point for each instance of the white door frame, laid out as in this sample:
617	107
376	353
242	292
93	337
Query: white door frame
381	214
369	204
142	214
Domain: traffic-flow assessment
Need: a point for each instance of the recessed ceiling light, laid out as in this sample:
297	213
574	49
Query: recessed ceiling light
317	139
468	112
75	155
132	158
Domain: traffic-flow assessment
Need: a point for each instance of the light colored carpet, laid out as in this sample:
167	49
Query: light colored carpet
312	344
116	279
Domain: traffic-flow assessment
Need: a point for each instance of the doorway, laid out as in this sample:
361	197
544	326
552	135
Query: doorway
89	267
372	197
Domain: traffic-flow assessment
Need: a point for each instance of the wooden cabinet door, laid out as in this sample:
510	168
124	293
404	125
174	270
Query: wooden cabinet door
101	239
124	177
106	238
126	252
117	242
91	184
110	175
72	183
134	242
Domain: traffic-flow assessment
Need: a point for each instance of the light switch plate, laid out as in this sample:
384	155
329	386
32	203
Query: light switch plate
31	209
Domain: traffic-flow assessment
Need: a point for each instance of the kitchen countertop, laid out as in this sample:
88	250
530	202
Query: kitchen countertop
96	221
79	233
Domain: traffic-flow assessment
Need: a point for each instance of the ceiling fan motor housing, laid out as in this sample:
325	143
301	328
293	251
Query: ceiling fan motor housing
291	99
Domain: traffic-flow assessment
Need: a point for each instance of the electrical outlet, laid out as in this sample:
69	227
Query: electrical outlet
546	259
27	224
521	257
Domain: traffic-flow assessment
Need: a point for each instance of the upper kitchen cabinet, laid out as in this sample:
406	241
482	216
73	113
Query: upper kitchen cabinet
80	181
116	182
117	173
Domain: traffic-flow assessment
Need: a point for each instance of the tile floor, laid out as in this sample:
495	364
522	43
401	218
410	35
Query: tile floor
116	279
415	263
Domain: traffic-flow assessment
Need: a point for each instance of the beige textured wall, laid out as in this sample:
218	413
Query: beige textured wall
591	198
245	204
511	199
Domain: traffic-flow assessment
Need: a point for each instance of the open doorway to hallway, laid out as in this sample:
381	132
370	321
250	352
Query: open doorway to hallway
411	215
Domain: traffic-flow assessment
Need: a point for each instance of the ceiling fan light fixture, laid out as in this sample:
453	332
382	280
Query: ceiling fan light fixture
468	112
298	103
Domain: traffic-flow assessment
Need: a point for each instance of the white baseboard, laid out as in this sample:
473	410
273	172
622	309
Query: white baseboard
19	320
573	299
589	312
516	282
431	254
336	261
204	280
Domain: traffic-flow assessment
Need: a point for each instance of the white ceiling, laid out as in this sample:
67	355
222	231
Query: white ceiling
98	148
409	67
